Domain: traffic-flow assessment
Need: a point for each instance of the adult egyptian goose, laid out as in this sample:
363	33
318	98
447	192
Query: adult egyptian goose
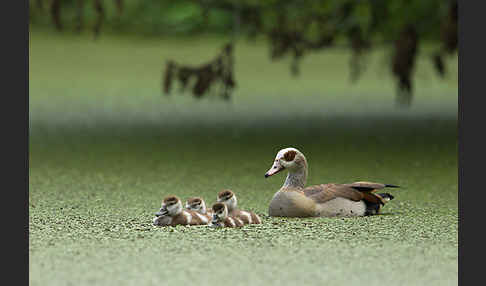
228	197
222	219
326	200
172	207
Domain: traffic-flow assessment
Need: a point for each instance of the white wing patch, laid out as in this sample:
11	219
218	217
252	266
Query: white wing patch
248	215
188	217
258	220
204	219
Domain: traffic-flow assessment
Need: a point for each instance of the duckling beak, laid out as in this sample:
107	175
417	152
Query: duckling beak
161	212
274	169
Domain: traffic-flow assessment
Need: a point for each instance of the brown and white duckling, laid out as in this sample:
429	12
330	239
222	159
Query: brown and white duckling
222	219
172	207
326	200
228	197
199	205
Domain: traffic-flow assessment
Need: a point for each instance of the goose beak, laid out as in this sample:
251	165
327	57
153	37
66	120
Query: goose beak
274	169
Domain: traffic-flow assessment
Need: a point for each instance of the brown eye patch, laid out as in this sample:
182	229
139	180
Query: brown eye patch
218	206
290	155
226	194
194	201
171	200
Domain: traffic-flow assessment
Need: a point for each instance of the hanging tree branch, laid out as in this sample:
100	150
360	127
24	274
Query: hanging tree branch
448	37
296	28
403	63
100	11
217	72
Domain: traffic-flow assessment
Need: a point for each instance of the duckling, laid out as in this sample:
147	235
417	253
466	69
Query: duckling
228	197
172	207
222	219
326	200
199	205
162	220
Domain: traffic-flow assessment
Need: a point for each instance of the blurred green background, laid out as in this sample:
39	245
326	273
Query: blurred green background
106	145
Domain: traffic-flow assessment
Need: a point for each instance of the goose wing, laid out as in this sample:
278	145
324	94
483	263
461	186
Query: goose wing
326	192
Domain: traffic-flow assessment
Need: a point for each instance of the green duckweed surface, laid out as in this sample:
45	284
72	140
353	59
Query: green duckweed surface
106	147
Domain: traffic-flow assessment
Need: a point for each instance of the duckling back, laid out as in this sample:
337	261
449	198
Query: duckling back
246	217
231	221
188	217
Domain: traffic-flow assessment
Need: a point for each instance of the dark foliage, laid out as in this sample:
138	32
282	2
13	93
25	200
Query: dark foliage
448	38
218	71
403	62
296	28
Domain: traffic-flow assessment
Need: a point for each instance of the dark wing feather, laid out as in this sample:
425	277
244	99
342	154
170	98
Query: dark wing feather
366	186
369	186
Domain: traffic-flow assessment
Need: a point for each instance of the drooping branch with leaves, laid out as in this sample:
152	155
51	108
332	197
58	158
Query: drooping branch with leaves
218	71
295	28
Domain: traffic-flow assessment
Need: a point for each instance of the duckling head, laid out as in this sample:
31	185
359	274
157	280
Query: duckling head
289	158
171	206
196	204
220	212
228	198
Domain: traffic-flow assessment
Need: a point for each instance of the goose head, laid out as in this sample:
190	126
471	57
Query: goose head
171	206
228	198
196	204
220	212
294	162
289	158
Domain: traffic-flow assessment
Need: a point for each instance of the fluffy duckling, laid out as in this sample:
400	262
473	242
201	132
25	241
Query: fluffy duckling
222	219
228	197
199	205
172	207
